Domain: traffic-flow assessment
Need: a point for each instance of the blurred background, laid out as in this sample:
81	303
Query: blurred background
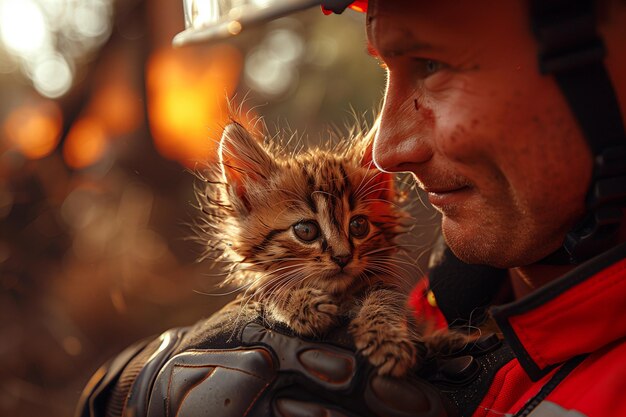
100	120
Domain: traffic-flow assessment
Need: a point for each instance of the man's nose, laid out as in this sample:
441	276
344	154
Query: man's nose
403	136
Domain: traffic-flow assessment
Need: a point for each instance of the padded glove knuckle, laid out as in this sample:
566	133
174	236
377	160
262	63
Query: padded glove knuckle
260	372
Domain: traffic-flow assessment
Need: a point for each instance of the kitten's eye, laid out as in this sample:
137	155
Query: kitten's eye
359	226
307	230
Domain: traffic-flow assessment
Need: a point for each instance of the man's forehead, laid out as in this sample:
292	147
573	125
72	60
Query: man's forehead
400	35
399	42
441	25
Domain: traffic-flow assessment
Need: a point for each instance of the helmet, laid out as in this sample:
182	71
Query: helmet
569	49
207	20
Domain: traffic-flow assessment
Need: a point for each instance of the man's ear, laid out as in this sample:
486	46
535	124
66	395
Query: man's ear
245	164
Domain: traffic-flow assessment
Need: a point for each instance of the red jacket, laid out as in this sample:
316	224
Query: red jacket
578	320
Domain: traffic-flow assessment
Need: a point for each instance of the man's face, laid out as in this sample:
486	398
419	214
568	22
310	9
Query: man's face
491	140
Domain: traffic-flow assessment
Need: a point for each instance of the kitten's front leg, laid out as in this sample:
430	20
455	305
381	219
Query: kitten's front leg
308	311
383	333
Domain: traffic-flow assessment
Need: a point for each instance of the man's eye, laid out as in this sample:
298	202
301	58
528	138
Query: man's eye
432	66
428	67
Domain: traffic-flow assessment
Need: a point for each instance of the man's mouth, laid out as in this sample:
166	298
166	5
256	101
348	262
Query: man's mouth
440	197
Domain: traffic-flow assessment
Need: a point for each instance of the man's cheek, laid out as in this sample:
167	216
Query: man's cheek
443	82
462	122
460	143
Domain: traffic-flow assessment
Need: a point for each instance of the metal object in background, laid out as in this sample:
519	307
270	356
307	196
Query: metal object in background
207	20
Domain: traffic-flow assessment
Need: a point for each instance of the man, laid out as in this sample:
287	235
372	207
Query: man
524	154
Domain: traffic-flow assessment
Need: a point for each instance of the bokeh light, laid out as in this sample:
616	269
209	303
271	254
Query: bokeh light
48	39
86	142
23	27
89	20
285	44
119	107
271	68
34	128
188	94
267	74
52	76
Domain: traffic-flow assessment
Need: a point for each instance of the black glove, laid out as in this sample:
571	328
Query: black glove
222	371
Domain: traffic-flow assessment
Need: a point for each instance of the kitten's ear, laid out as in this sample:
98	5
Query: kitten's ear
366	146
243	161
385	180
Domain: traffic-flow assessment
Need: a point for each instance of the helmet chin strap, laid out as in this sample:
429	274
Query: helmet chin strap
571	50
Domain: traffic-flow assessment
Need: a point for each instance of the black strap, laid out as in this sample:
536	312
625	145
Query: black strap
551	385
572	51
463	291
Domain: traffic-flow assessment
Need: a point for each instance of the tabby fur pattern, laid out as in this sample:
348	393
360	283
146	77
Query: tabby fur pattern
310	238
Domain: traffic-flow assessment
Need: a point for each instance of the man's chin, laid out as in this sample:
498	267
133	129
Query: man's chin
473	245
481	249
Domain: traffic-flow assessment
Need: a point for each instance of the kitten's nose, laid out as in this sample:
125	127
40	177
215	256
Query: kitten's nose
342	260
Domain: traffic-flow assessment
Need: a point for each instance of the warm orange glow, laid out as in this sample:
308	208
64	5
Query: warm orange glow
86	142
359	6
34	129
187	99
119	107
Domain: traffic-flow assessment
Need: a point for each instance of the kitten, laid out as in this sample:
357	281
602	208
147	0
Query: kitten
312	238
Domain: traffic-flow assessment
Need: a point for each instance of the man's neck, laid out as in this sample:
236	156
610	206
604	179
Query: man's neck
527	279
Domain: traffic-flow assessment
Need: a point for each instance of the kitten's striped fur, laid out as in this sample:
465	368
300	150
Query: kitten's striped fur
260	202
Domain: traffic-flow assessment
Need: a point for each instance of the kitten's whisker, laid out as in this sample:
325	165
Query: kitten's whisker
233	291
307	277
280	288
390	270
363	276
387	248
381	200
277	260
409	245
284	272
272	279
393	263
397	260
366	184
373	189
273	271
274	282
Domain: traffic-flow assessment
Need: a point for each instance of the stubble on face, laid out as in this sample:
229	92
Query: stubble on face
498	126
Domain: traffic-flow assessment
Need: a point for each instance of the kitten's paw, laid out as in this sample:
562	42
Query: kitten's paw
388	346
312	311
